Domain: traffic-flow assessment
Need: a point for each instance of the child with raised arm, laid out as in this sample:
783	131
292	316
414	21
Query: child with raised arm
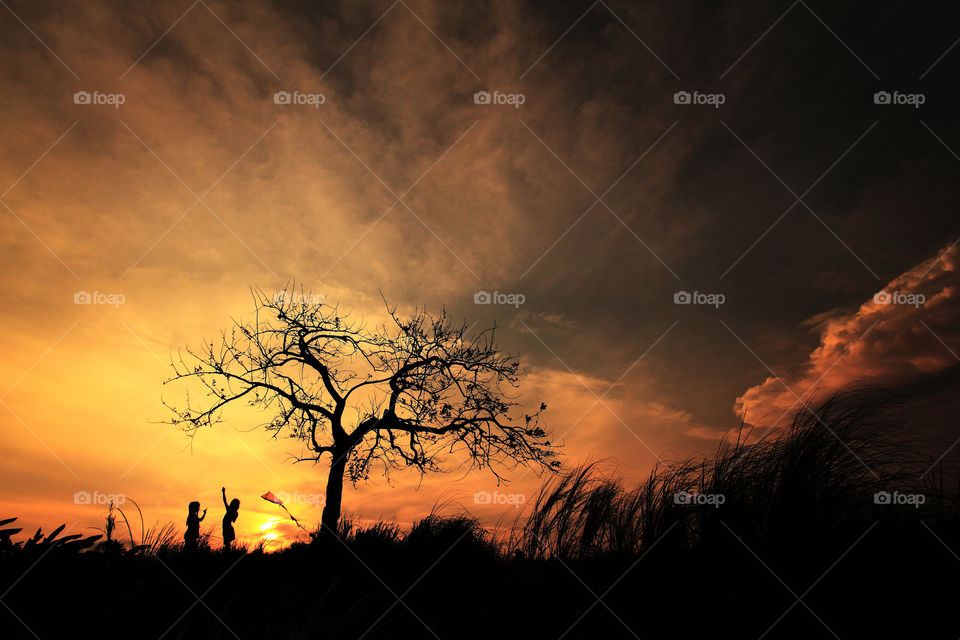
192	535
233	510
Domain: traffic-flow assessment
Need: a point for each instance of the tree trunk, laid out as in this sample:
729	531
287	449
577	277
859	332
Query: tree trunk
331	508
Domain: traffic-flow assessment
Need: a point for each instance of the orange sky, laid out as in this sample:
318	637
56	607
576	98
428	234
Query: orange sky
199	186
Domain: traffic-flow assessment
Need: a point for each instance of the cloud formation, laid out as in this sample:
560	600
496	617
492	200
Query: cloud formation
909	328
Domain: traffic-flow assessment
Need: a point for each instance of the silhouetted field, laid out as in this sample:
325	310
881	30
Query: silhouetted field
833	528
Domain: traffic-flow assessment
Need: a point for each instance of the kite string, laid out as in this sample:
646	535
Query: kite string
269	497
284	507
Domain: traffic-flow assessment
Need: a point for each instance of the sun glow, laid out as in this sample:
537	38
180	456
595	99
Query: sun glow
266	530
268	525
272	538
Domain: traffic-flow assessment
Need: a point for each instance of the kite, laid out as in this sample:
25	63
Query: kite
270	497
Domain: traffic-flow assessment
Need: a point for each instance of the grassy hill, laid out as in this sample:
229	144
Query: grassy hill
833	528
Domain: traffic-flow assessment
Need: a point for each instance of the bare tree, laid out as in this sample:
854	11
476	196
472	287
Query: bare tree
403	394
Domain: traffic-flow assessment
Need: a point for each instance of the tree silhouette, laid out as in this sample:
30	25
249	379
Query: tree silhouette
403	394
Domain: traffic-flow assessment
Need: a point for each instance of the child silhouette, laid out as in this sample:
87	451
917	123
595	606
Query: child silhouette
233	510
192	536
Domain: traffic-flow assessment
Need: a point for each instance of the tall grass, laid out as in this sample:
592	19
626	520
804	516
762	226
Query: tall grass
818	477
166	537
794	488
435	532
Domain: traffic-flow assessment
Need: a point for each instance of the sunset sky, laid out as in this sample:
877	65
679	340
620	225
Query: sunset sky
598	200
